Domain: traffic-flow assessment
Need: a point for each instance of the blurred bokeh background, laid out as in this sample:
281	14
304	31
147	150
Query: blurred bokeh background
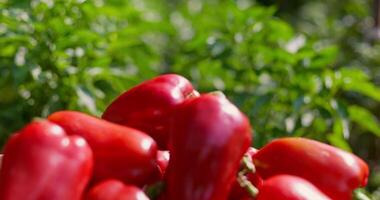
296	68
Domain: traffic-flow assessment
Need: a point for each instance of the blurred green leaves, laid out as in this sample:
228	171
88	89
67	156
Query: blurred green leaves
67	55
81	54
357	81
365	119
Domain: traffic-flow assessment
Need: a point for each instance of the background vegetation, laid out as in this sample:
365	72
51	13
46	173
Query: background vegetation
305	68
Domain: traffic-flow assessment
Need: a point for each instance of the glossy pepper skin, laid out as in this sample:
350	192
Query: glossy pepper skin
208	140
119	152
42	163
148	106
335	172
162	162
113	189
240	193
287	187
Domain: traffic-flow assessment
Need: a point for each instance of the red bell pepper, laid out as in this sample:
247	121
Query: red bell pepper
119	152
287	187
208	139
239	192
335	172
115	190
148	106
42	162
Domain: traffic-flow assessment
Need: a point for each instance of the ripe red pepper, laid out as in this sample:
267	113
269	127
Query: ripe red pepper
208	140
42	162
335	172
287	187
115	190
119	152
238	192
148	106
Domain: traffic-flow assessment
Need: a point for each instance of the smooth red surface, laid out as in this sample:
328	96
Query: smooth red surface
148	106
41	162
239	193
287	187
209	137
115	190
119	152
335	172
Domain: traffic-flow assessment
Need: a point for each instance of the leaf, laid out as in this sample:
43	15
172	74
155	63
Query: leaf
361	194
356	80
354	74
365	88
325	57
337	138
339	142
365	119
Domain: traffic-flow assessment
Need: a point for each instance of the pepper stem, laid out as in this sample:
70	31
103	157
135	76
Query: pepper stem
247	166
247	185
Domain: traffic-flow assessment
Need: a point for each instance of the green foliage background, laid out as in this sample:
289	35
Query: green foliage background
307	68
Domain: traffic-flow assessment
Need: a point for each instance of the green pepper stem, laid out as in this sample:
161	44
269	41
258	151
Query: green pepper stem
247	185
247	164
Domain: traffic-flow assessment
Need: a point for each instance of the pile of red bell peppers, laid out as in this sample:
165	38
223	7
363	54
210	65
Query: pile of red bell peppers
163	140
